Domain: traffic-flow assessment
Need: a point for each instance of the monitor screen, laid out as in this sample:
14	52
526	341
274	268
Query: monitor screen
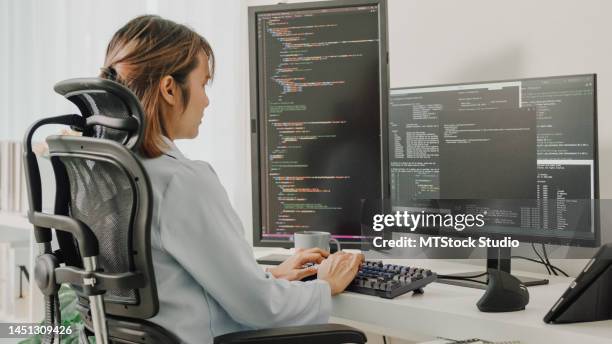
521	151
319	95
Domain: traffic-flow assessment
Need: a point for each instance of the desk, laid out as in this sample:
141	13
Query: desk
450	311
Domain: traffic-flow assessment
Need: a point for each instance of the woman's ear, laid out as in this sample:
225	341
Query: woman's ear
169	90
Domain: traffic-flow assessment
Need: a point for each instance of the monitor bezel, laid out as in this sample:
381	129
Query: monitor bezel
596	241
253	11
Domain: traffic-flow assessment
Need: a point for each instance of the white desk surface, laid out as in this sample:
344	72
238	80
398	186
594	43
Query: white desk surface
450	311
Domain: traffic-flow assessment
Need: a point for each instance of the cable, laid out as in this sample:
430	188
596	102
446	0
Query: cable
547	264
551	265
561	271
465	278
461	278
527	258
542	261
539	262
547	260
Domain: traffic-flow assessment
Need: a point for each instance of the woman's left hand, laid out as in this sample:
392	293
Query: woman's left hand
293	269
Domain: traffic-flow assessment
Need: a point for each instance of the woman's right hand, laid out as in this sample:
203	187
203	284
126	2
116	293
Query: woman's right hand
339	269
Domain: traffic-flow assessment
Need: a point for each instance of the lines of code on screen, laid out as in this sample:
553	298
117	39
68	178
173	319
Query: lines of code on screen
521	150
319	118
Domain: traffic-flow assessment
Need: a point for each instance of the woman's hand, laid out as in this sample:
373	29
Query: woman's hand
339	269
293	269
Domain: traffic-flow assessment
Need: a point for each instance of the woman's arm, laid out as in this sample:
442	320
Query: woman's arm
200	229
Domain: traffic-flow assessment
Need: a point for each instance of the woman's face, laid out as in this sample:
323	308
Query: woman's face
187	123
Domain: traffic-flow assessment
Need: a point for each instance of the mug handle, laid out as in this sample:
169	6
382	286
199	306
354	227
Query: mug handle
335	241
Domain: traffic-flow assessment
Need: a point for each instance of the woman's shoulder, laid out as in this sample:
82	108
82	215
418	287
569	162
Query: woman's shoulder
166	169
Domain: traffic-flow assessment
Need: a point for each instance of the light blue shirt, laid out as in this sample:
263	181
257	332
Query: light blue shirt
208	281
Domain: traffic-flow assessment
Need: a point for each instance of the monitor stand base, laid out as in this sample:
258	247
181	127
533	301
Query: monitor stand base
497	258
481	282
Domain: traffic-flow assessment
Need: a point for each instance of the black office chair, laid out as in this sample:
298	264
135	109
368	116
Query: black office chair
101	218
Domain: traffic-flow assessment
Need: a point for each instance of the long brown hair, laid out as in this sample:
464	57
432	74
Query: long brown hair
140	54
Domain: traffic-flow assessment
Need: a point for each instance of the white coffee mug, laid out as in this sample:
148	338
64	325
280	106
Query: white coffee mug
311	239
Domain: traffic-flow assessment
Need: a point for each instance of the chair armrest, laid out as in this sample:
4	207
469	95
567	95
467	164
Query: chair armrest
88	243
320	334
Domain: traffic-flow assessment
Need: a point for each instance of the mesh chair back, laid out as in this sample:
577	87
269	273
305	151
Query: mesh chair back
101	196
106	187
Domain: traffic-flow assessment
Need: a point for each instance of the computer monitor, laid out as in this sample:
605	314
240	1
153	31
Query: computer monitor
319	98
527	139
522	151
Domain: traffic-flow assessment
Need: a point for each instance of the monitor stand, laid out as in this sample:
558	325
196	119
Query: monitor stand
497	258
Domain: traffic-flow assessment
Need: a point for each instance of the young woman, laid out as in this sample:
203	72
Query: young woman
207	278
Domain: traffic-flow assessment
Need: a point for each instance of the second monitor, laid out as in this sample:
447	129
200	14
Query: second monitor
524	151
521	152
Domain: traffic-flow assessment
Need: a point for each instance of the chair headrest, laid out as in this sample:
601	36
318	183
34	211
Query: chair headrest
110	109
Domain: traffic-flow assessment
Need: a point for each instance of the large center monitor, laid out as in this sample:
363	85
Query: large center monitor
319	97
522	151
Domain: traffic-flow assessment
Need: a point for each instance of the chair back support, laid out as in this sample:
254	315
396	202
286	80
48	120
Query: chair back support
101	184
108	190
111	110
106	187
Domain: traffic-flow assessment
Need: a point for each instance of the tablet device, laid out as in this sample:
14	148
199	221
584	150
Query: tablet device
589	296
